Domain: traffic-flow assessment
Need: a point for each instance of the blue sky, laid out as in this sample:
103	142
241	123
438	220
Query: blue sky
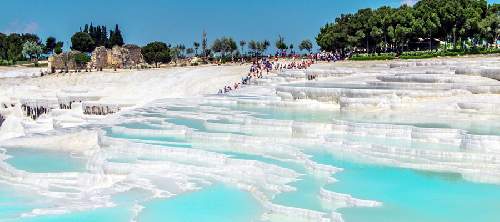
180	21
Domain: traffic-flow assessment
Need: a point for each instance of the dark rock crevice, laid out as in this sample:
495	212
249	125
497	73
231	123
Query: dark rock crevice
34	111
2	119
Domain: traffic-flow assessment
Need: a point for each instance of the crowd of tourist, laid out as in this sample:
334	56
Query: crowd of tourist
265	65
303	64
328	56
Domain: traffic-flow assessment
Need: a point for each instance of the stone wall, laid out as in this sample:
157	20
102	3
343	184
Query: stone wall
128	56
125	57
99	59
63	61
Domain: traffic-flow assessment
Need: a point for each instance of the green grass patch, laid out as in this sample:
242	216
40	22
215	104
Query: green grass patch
448	53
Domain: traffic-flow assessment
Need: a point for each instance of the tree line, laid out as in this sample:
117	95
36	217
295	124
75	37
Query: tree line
225	45
461	23
224	48
91	36
20	47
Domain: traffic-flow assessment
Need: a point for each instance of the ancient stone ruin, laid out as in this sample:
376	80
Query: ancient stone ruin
99	59
63	62
125	57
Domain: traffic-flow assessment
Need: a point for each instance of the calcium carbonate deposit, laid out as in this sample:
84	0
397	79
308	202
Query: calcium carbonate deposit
350	141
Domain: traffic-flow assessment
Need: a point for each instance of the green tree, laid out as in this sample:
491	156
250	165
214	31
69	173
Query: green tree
204	44
258	48
360	36
82	41
58	49
430	15
115	37
196	46
383	19
81	60
50	44
363	20
263	46
242	46
224	45
177	52
404	18
3	46
182	49
376	35
32	50
306	45
156	52
31	37
14	47
98	33
490	28
394	29
104	40
473	14
253	47
281	44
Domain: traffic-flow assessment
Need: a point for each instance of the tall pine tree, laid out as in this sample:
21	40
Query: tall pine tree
98	40
115	37
104	36
99	35
111	34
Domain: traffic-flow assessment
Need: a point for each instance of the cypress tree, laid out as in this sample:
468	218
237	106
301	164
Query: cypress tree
98	35
111	34
104	36
115	37
91	30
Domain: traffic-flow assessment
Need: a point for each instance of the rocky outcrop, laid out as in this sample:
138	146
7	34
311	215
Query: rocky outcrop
63	61
99	59
125	57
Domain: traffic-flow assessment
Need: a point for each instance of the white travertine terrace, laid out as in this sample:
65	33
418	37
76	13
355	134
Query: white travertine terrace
438	115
